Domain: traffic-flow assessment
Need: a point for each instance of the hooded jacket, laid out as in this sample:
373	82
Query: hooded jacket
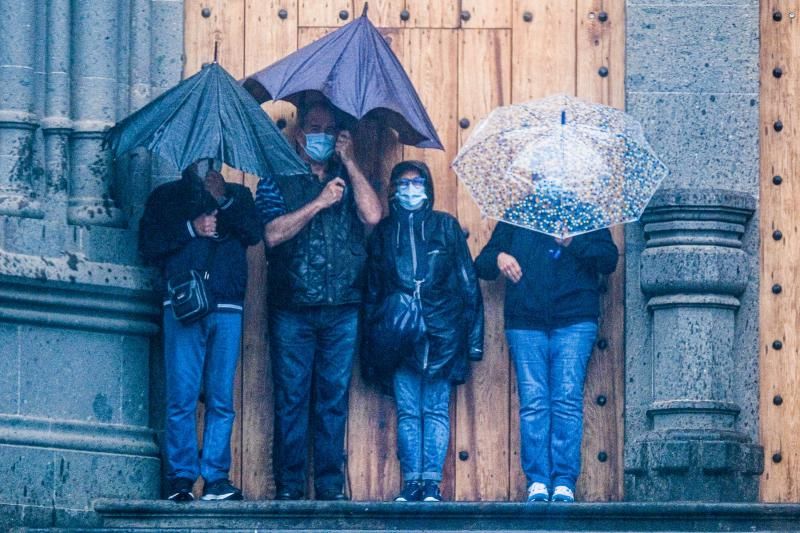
559	285
428	245
167	239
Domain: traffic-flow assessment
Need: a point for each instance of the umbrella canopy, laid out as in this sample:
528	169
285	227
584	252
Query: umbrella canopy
208	116
560	166
357	71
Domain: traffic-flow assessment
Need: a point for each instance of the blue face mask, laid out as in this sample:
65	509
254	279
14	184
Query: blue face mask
411	197
319	146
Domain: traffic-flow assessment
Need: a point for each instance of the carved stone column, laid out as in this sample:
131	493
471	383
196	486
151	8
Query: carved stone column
94	105
79	314
693	270
18	118
56	123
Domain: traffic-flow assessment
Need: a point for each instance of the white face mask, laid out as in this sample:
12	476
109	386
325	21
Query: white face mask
411	196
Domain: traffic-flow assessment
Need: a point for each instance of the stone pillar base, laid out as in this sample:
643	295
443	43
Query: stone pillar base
18	204
74	387
694	271
693	466
95	213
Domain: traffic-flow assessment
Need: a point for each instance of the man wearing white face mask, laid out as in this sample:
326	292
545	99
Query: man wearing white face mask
315	233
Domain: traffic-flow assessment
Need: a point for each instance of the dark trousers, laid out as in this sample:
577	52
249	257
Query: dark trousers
311	349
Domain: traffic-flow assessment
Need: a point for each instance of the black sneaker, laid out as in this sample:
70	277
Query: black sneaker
412	492
286	494
330	494
180	490
219	490
430	492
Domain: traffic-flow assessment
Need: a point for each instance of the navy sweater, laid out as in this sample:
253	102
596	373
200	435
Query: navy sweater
167	238
559	285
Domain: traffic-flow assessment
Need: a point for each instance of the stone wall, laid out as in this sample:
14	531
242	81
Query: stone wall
692	79
78	314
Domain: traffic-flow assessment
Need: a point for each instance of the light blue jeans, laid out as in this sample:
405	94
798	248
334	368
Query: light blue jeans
202	353
423	424
551	369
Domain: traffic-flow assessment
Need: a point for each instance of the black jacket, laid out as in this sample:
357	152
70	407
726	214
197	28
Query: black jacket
324	263
559	285
452	306
167	239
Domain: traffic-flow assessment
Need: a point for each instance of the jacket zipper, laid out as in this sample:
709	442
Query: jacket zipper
417	282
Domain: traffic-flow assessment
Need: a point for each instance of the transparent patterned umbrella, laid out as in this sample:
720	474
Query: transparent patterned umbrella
560	166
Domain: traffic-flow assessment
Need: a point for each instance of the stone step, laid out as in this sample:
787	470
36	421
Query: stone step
342	517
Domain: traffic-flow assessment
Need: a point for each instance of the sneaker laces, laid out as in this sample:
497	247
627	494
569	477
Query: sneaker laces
537	488
563	490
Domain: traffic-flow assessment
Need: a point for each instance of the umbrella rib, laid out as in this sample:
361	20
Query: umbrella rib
219	123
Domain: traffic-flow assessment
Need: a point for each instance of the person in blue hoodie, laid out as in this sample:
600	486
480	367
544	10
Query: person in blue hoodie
201	223
552	306
421	254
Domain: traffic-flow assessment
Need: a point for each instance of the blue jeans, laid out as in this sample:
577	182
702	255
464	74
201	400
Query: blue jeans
423	424
202	353
312	356
551	369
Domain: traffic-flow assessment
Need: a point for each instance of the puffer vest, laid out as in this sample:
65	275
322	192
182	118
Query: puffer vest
324	263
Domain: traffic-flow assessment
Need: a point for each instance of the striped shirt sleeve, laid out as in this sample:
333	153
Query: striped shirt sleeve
269	200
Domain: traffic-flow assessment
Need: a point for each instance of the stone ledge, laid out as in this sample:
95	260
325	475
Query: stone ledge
81	436
73	293
487	516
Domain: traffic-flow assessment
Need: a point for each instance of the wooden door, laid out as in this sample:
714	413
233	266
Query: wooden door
780	251
465	58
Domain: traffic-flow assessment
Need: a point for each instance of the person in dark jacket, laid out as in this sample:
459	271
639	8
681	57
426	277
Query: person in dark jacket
423	254
200	222
314	227
551	314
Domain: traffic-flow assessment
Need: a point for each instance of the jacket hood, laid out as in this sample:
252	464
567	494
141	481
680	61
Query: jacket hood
423	170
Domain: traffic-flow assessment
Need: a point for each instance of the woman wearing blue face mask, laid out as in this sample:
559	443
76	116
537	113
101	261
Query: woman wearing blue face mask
418	259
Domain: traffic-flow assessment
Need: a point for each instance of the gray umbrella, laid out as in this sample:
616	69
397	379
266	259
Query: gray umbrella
208	116
357	72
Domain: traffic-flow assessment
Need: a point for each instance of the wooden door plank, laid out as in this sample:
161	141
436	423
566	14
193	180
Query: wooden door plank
325	13
257	398
373	471
433	13
384	13
483	14
779	314
482	429
546	67
268	38
601	44
430	59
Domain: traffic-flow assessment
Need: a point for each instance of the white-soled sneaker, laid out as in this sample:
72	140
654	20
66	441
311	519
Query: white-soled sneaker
538	492
563	494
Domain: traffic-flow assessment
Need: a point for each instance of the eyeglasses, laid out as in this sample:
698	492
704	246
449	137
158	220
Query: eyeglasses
403	183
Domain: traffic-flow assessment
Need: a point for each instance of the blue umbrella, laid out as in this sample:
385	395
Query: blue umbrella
357	72
208	116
